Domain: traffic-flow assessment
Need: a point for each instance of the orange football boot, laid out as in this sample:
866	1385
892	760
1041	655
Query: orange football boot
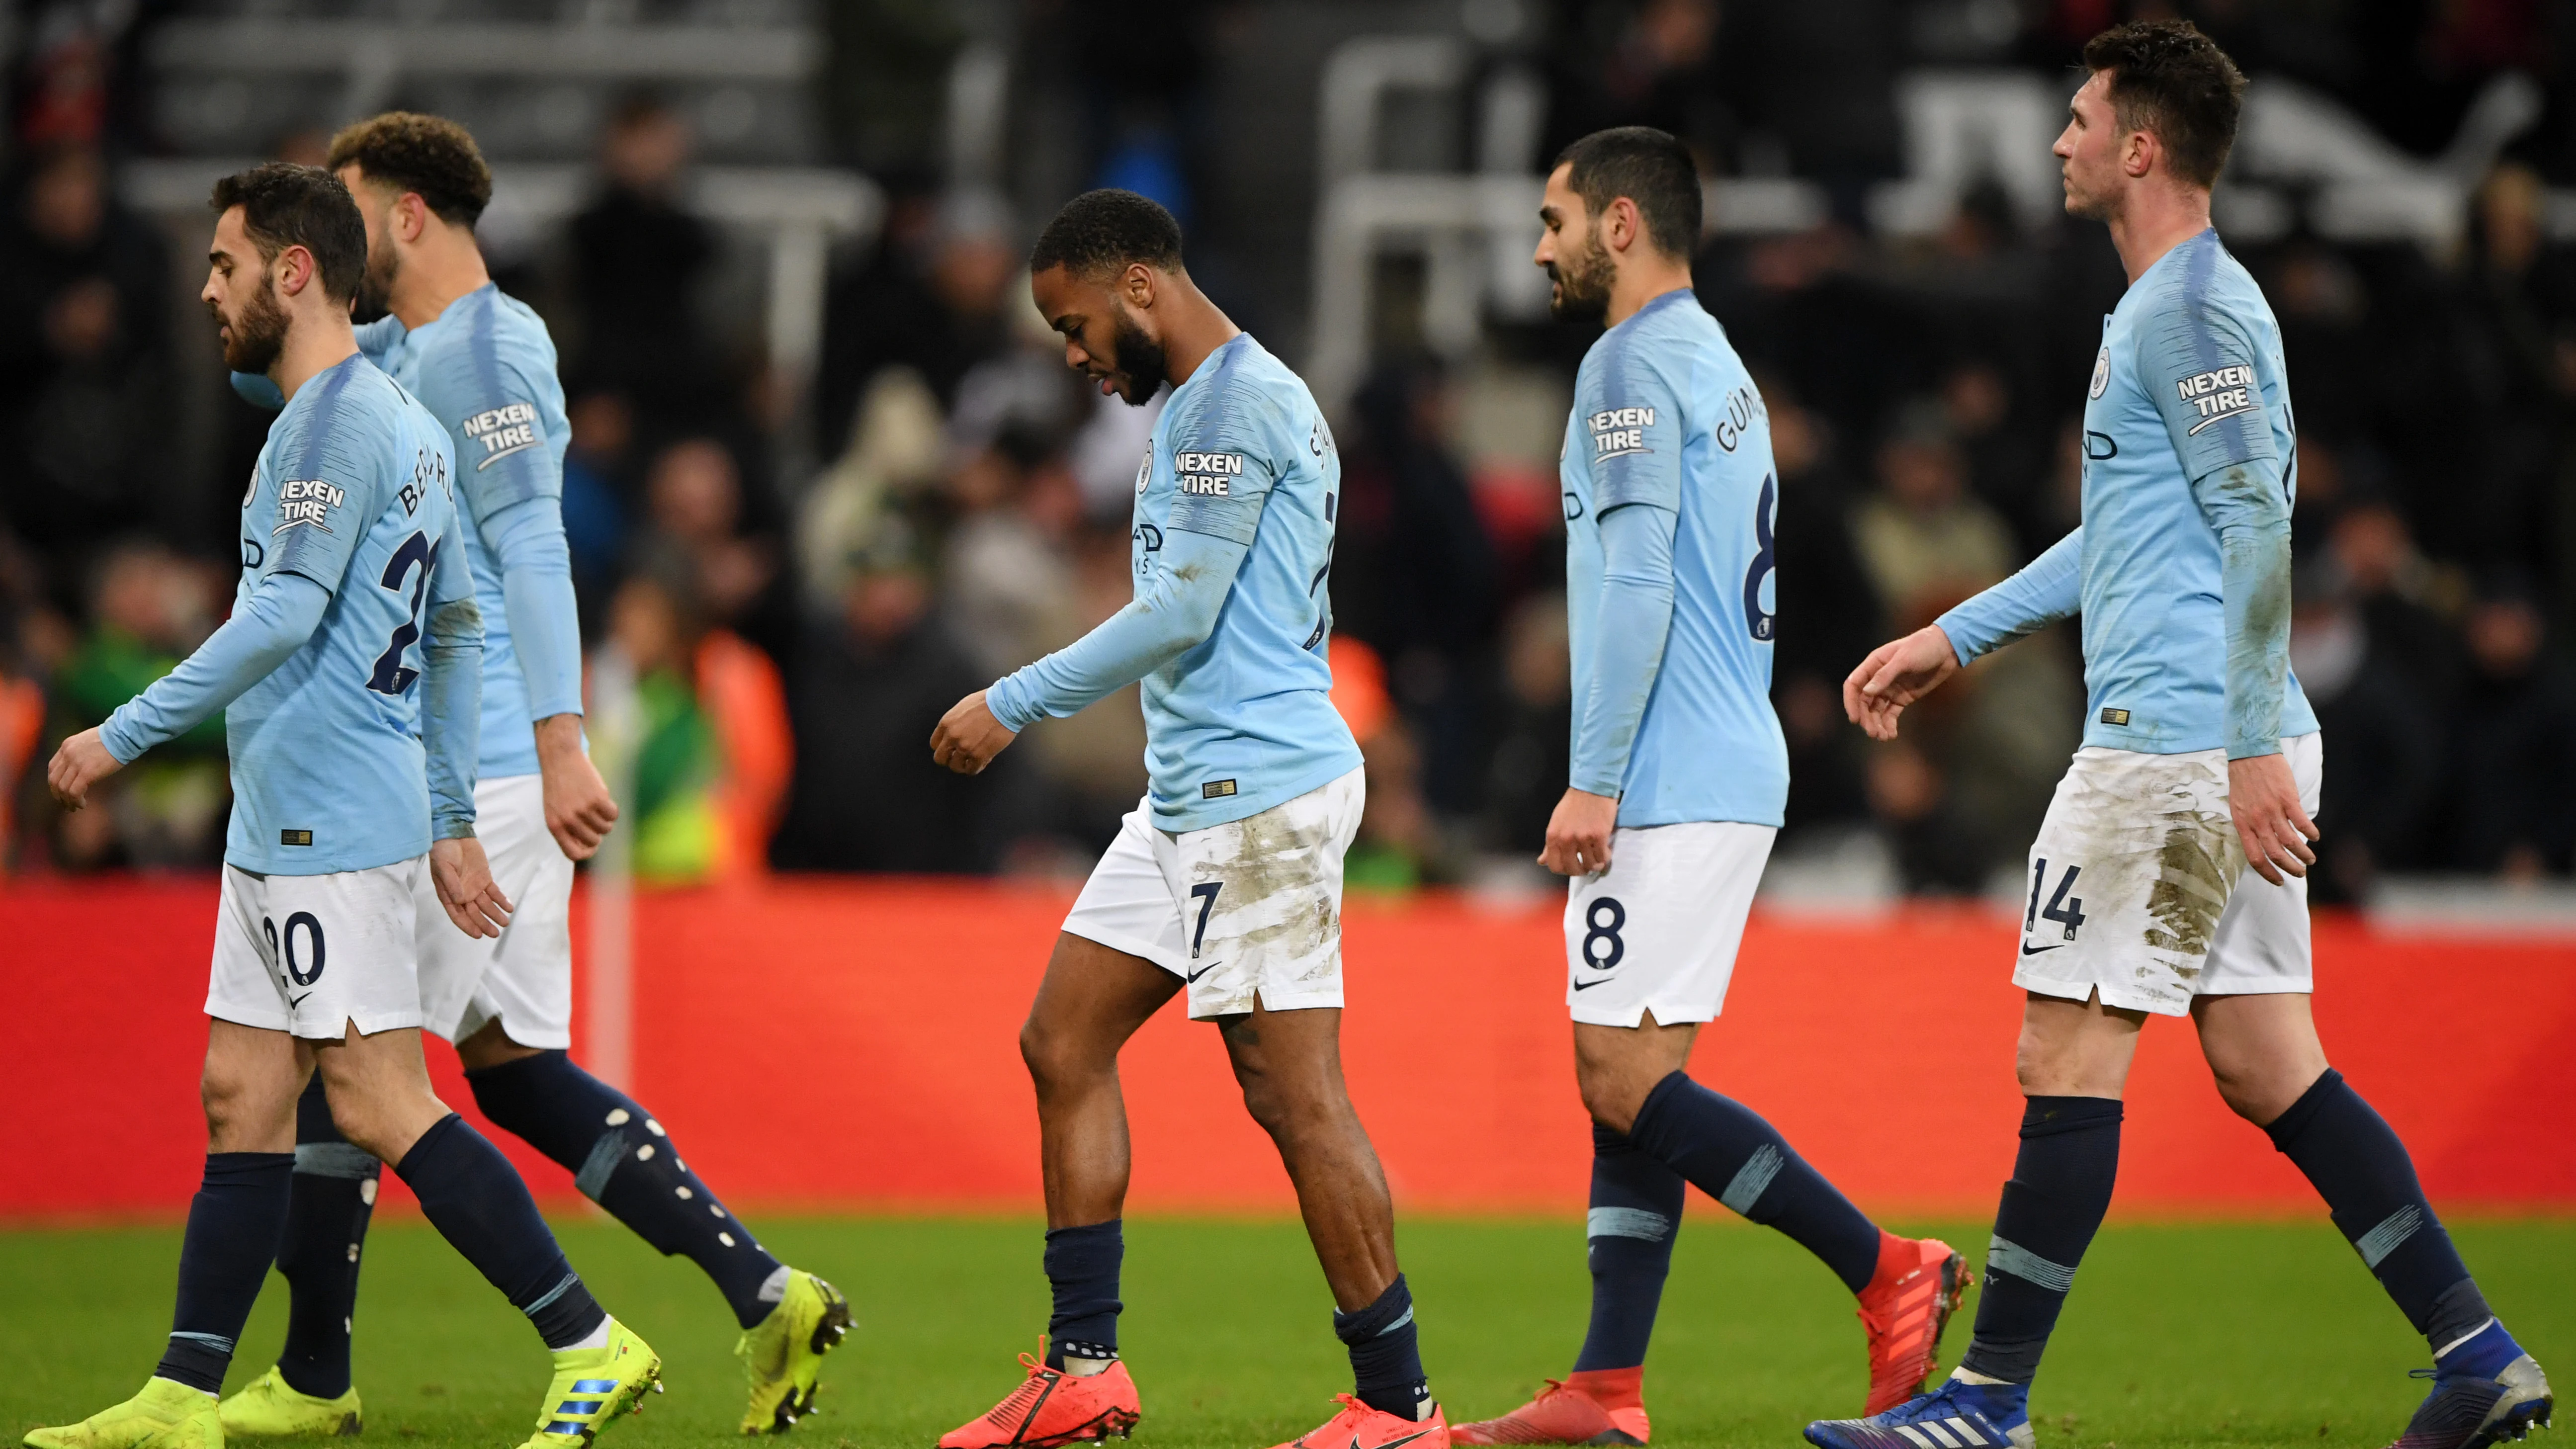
1588	1406
1052	1407
1908	1302
1357	1426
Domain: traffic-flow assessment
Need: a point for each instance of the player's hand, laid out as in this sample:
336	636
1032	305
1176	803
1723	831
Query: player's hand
2264	797
579	809
82	762
1895	675
466	888
1578	833
969	737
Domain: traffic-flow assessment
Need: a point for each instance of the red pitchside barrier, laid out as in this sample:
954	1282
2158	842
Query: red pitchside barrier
851	1044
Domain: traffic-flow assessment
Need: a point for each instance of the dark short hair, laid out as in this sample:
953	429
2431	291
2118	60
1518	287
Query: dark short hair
1650	168
429	155
1106	231
286	205
2169	79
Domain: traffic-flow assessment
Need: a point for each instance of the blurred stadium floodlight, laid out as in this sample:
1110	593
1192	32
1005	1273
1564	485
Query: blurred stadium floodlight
799	212
1474	230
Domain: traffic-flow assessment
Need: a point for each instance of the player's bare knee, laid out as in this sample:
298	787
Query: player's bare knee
1058	1059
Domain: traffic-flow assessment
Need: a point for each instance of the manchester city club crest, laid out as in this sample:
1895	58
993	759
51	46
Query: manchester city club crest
2101	371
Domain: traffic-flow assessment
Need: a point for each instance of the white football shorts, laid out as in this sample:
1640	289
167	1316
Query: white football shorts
311	954
2138	886
1658	930
523	977
1244	910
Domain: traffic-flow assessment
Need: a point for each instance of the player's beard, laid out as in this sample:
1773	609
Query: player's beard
376	286
1141	360
1583	282
254	337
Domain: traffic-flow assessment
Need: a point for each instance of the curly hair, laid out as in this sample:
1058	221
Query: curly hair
286	205
1105	230
428	155
2169	79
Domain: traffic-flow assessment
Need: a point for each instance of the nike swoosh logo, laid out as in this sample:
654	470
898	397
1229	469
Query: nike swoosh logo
1391	1443
1579	986
1192	978
2035	950
293	1002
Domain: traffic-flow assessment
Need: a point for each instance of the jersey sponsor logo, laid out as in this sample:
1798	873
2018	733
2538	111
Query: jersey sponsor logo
1618	432
1742	406
504	430
305	502
2218	394
2101	372
1206	475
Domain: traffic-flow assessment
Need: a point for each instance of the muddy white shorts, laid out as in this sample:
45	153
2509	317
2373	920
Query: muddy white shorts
309	954
524	977
1251	908
2138	887
1658	930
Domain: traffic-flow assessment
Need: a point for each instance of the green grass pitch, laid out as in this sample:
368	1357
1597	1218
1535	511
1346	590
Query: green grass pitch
2213	1334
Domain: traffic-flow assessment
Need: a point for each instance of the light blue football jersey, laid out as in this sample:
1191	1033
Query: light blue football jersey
355	491
485	368
2190	380
1665	416
1243	721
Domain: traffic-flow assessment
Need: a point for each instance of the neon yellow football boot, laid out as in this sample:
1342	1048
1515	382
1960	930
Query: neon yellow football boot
592	1386
166	1415
783	1353
269	1407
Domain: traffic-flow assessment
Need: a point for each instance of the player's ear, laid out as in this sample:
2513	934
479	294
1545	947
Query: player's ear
1136	285
294	269
2138	153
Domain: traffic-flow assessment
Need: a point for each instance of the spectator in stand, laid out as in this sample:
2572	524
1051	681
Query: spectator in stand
694	502
2514	782
2379	796
1007	585
148	608
865	692
1828	616
1533	750
2399	594
934	297
1923	539
598	492
639	258
84	305
671	819
2518	324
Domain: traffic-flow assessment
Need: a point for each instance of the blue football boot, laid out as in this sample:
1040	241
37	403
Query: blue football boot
1953	1416
2485	1390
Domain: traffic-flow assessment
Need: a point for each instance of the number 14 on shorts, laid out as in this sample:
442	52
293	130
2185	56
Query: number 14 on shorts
2064	907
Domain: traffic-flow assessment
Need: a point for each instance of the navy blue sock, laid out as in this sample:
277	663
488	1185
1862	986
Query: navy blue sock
1082	1269
1726	1150
623	1160
2361	1169
1386	1357
1636	1205
472	1195
334	1195
233	1224
2060	1188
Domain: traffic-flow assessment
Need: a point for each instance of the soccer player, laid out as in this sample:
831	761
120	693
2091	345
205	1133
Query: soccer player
349	677
1226	880
1679	778
2200	757
483	364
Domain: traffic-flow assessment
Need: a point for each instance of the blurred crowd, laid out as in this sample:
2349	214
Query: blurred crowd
780	622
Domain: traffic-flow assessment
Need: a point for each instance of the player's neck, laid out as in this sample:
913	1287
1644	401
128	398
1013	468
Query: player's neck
2153	220
1192	330
1642	277
445	265
315	343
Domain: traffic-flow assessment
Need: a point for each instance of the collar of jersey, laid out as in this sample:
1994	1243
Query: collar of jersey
1655	303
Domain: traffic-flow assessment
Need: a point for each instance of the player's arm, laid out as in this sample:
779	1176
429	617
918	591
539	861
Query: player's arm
281	613
451	721
1175	609
1901	671
1637	490
2198	362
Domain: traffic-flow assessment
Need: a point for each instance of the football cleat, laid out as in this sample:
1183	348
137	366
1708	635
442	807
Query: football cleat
1357	1426
1053	1407
166	1415
271	1408
1904	1309
592	1386
1573	1410
1954	1416
2467	1412
783	1353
